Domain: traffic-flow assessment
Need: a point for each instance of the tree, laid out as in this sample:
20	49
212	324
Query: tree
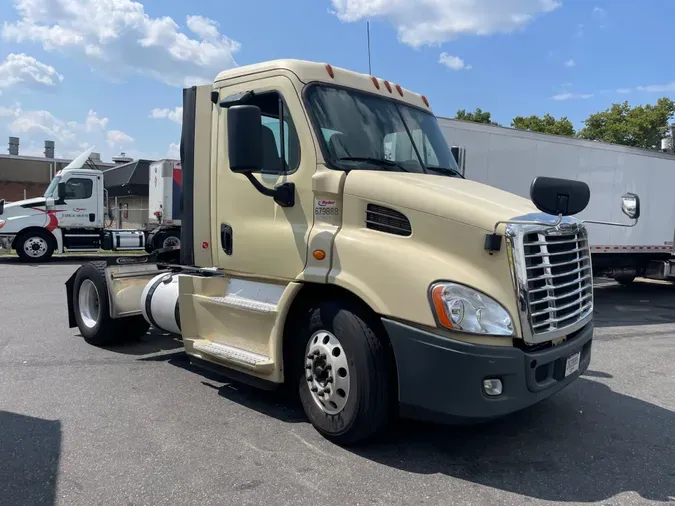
639	126
548	124
478	116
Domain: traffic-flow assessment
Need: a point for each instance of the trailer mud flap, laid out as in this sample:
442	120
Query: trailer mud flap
70	286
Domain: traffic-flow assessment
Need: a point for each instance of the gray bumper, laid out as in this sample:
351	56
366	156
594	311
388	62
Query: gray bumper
441	379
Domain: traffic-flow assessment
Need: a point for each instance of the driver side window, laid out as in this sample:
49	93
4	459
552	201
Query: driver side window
79	188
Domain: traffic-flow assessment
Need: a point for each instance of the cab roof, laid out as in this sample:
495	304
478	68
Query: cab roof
308	71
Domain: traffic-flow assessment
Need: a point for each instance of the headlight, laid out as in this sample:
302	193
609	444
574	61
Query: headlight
462	308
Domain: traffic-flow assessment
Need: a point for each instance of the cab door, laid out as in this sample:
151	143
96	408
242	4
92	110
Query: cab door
256	236
82	205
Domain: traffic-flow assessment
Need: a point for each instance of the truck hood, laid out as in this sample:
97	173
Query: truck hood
452	198
21	206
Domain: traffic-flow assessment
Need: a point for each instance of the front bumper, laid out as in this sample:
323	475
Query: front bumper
6	241
440	379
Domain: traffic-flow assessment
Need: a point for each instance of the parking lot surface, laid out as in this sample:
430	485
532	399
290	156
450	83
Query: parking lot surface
138	425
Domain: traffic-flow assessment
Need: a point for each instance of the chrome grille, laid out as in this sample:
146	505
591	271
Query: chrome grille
553	276
559	279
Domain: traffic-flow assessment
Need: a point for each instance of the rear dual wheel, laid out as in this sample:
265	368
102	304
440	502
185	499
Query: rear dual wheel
343	372
92	310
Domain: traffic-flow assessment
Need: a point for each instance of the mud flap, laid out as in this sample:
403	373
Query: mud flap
70	284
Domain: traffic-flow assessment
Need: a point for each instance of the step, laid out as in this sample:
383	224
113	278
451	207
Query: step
229	353
238	302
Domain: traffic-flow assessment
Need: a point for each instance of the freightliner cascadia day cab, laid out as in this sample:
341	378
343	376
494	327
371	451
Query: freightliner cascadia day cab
329	244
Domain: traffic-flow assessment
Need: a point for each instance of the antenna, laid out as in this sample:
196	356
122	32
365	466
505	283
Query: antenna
370	70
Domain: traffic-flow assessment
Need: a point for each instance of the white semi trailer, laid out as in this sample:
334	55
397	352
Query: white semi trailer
509	159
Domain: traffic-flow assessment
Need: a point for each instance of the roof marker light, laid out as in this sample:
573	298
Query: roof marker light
376	82
388	86
329	69
399	89
424	99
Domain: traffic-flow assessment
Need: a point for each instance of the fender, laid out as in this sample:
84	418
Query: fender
70	285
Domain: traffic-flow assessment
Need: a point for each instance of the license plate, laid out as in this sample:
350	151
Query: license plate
572	364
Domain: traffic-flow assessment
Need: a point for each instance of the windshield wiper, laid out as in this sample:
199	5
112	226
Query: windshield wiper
445	170
375	161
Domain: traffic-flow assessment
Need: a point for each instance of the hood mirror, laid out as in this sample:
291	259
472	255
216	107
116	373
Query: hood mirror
630	205
559	197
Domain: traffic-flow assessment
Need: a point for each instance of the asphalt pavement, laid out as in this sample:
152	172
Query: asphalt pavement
137	425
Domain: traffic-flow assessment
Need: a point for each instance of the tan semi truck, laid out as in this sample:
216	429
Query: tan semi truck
329	244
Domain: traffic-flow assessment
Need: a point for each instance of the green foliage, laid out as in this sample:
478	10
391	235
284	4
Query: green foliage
547	125
639	126
478	116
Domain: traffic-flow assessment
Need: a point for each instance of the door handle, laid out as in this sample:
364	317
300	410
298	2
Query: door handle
226	238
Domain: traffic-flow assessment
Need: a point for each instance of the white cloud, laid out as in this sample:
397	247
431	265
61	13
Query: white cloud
175	114
453	62
27	71
624	90
71	137
173	151
431	22
580	31
566	95
599	12
658	88
118	38
570	63
118	140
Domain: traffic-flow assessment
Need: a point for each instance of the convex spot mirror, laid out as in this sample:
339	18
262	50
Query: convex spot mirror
244	138
559	196
630	205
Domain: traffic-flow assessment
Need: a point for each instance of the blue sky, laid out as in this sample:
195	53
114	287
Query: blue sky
109	72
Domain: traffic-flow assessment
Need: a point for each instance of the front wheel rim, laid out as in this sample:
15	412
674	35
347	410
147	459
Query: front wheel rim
35	247
89	303
327	372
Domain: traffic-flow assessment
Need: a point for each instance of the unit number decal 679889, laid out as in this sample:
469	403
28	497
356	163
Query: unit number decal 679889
325	207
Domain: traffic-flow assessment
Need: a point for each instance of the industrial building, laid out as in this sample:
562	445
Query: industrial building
23	177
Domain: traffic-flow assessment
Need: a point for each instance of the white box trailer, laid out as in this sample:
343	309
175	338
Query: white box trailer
164	203
509	159
165	185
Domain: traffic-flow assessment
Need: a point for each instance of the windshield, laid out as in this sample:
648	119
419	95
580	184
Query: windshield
363	131
52	186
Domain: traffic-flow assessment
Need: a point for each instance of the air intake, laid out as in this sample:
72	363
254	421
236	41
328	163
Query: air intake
387	220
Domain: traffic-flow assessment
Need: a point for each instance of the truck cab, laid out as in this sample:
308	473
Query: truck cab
69	212
329	243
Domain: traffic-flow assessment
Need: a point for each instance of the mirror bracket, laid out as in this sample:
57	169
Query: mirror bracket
493	241
283	193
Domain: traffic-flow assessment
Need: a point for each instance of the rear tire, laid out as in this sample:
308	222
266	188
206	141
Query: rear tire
92	310
35	246
356	401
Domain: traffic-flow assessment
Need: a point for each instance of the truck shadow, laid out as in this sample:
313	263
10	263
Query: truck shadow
641	303
154	341
30	451
586	444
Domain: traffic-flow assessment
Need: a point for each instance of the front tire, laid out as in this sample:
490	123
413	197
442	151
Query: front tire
35	246
343	372
92	310
625	280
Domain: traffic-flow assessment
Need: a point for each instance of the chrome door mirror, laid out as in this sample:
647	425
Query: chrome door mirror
630	205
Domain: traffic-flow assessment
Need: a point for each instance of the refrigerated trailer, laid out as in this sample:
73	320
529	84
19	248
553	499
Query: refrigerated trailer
509	159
